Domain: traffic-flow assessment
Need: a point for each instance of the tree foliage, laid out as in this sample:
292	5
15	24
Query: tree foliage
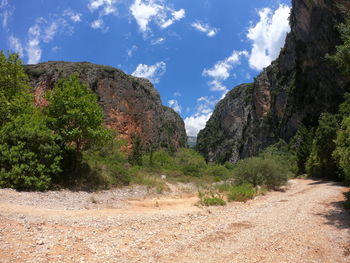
15	97
301	145
75	115
321	163
30	155
342	54
342	151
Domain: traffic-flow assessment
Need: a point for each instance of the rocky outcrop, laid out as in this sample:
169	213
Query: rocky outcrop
131	105
294	89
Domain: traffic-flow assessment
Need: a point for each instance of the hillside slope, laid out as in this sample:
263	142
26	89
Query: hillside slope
294	89
131	105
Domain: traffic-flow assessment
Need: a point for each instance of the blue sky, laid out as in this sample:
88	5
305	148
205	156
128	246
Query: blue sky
194	51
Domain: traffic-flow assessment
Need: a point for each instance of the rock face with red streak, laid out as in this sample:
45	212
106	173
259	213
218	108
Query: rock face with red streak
131	105
296	88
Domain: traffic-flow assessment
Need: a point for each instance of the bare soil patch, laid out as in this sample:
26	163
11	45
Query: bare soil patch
307	223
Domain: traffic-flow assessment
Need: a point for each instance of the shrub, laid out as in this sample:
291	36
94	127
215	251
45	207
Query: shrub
211	198
190	162
342	151
301	145
161	158
135	156
241	192
30	155
217	171
259	171
104	167
321	163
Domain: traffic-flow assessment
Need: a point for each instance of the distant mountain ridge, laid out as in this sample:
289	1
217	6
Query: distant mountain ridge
296	88
131	105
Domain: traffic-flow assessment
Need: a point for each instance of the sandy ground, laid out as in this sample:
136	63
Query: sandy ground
304	224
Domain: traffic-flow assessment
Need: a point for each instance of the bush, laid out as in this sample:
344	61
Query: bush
217	171
30	155
104	167
161	158
282	154
342	151
260	171
211	199
190	162
321	163
301	145
241	192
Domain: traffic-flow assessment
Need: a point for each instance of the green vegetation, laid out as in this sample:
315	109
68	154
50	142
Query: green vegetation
211	198
241	192
301	145
262	171
74	115
30	155
320	163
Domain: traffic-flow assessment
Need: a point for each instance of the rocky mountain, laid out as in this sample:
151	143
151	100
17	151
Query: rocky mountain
131	105
296	88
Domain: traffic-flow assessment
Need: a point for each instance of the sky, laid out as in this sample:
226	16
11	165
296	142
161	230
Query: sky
193	51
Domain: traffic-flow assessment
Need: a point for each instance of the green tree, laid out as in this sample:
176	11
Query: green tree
321	162
30	156
135	156
341	58
15	96
191	163
301	145
342	151
74	114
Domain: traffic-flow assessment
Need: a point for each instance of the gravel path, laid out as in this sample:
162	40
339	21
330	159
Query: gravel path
304	224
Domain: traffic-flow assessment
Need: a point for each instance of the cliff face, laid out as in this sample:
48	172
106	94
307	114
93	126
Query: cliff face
131	105
294	89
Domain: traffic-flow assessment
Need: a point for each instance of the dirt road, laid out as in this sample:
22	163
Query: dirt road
304	224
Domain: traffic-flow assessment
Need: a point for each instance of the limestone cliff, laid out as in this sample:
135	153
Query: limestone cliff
131	105
296	88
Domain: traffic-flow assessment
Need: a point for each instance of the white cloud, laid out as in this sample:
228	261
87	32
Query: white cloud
145	11
6	11
98	23
177	94
205	28
152	73
176	15
55	49
15	45
158	41
33	47
198	120
222	70
45	31
50	32
174	104
104	8
75	17
268	36
195	123
131	51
